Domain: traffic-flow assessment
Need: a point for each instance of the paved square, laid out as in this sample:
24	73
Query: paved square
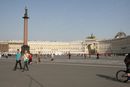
55	74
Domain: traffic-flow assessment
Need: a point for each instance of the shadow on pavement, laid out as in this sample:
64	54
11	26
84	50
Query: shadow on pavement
107	77
33	80
110	78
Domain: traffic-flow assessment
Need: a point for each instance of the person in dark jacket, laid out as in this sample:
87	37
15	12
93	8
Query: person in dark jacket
127	62
69	55
97	55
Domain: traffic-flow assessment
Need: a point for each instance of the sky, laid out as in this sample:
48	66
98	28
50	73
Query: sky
64	20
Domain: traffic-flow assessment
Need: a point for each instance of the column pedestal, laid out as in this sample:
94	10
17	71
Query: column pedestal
25	47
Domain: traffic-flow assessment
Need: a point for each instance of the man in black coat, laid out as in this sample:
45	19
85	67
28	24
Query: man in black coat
127	62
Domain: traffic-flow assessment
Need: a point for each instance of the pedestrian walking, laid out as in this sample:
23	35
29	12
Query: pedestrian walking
69	55
39	57
52	57
18	60
30	58
85	55
97	55
26	59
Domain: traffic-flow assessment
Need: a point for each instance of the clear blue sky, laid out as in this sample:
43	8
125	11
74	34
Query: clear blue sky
64	20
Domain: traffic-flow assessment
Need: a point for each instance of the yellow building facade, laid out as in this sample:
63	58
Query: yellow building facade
119	45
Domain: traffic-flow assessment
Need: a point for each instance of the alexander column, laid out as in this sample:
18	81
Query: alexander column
25	38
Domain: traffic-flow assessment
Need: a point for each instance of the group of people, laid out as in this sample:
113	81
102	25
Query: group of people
26	57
